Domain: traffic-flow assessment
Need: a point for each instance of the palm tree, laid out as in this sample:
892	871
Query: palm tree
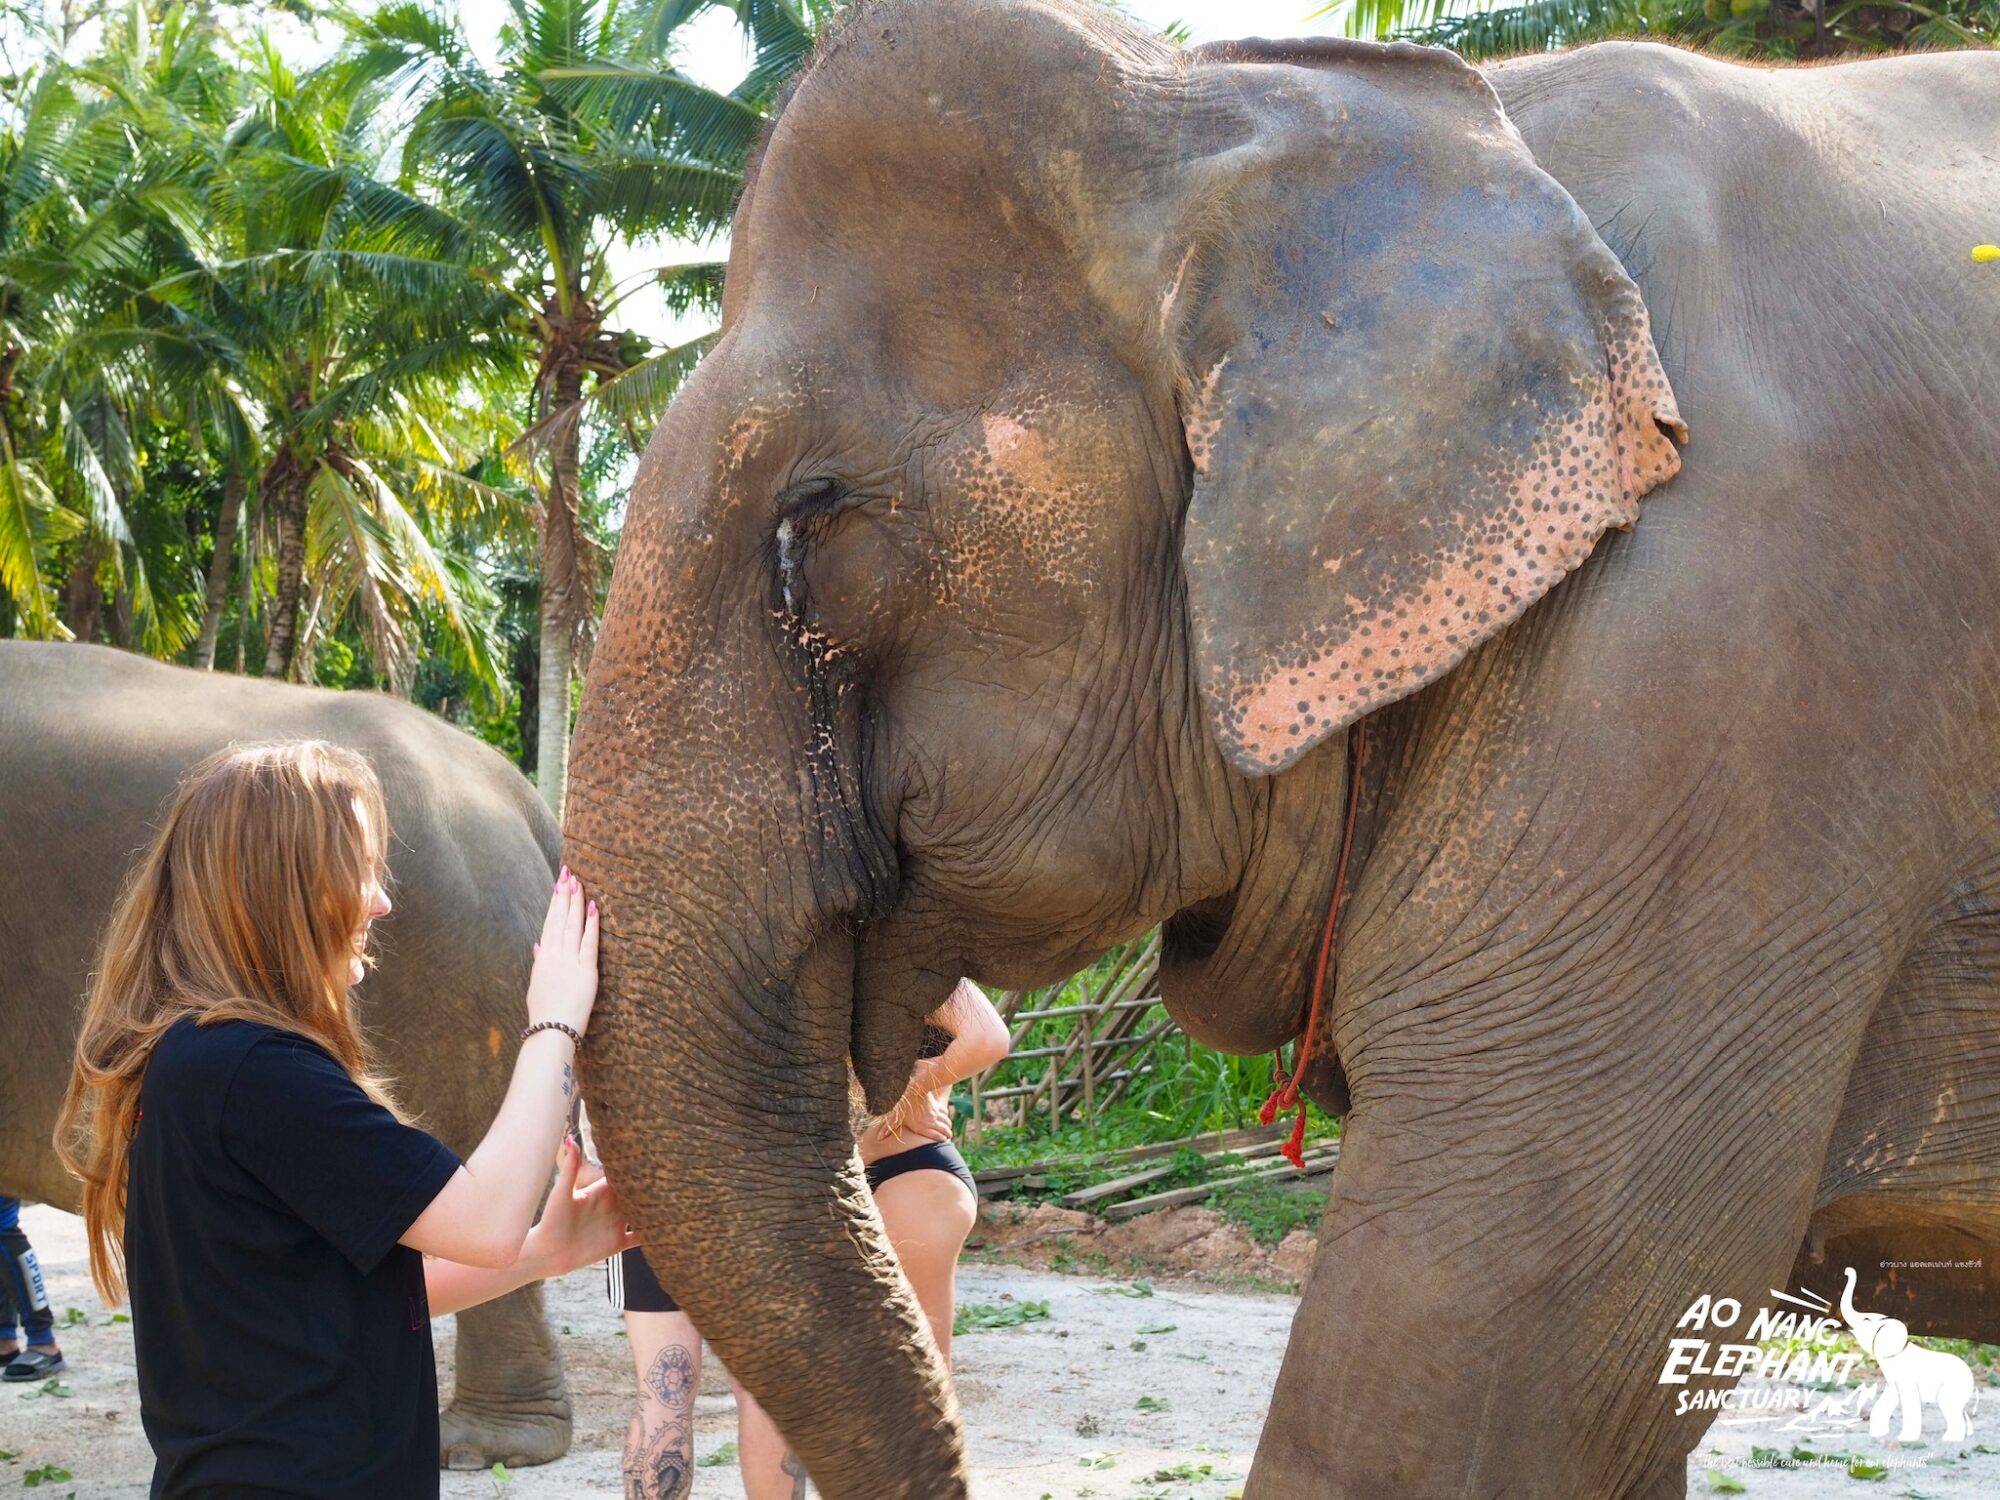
44	156
586	136
341	315
1775	29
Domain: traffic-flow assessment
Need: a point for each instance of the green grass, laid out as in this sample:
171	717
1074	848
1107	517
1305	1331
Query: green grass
1268	1211
1192	1090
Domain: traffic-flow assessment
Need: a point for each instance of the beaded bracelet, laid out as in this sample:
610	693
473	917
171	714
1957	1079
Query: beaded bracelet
563	1026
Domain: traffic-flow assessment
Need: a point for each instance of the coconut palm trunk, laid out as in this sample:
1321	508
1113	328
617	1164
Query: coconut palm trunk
284	493
565	593
218	568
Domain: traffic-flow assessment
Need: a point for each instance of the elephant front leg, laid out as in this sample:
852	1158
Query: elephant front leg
1911	1397
1883	1411
1492	1314
509	1402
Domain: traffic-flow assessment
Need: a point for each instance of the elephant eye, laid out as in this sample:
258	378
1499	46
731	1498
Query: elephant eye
798	508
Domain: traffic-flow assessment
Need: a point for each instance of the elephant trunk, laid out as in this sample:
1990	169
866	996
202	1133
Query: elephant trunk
1847	1299
724	859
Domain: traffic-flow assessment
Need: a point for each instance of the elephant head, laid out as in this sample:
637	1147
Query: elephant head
1881	1337
1096	428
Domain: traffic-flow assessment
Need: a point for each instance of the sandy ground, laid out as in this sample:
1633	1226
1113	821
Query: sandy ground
1053	1408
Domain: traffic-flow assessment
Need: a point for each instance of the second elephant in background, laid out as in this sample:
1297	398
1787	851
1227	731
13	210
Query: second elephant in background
92	744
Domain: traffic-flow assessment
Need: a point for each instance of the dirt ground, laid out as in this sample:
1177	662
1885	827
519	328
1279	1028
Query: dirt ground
1054	1408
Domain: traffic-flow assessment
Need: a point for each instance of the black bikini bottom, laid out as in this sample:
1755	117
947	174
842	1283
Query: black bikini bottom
939	1156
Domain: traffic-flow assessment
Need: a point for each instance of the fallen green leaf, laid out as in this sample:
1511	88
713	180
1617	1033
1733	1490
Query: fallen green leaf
726	1454
1150	1403
971	1317
1725	1484
1860	1468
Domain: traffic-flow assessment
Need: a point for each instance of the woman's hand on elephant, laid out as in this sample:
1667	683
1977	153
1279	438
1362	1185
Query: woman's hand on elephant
582	1222
563	986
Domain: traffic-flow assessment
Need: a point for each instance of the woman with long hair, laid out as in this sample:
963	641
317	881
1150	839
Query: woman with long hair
284	1233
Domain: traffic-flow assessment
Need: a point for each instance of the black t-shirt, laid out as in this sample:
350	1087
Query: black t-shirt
283	1335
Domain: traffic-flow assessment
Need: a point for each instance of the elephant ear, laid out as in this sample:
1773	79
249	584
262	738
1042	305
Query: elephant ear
1890	1337
1419	388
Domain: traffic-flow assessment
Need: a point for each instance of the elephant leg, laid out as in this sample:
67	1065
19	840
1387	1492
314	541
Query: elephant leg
1885	1408
1952	1405
1912	1399
1494	1300
509	1403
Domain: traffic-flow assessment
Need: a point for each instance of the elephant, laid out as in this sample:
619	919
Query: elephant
92	743
1911	1374
1136	485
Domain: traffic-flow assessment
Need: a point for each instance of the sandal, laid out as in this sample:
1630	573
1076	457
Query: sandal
33	1364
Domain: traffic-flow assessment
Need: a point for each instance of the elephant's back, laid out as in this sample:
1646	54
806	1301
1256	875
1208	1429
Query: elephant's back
93	742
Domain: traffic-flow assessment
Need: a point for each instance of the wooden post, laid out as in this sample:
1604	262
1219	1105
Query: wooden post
1090	1077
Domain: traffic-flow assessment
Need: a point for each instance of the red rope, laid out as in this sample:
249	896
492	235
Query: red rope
1286	1095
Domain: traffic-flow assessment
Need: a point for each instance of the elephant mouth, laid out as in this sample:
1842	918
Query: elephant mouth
1194	934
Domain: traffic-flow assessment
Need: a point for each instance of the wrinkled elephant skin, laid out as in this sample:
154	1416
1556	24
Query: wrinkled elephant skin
1098	434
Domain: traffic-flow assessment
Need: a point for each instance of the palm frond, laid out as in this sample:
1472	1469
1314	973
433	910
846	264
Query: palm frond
638	398
644	194
30	521
693	287
635	101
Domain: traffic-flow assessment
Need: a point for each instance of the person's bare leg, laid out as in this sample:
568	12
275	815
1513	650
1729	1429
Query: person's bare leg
928	1215
770	1470
659	1441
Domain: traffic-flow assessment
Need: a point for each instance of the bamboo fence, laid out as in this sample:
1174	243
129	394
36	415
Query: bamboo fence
1110	1045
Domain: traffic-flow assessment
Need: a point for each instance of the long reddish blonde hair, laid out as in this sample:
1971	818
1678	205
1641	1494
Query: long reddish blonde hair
244	908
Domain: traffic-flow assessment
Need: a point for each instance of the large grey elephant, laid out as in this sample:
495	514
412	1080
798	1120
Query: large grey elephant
92	742
1118	463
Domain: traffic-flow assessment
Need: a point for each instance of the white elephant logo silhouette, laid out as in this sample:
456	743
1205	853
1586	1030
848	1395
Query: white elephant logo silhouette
1911	1374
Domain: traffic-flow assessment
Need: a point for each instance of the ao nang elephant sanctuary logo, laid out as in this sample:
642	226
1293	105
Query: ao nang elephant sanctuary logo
1801	1372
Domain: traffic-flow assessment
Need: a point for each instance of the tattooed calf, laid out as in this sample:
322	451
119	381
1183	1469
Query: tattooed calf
659	1454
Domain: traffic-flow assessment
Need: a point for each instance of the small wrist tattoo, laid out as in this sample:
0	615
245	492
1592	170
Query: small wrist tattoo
563	1026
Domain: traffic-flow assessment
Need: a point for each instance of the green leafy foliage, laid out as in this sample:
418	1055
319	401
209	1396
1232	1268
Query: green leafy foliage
283	347
1268	1211
978	1317
1779	30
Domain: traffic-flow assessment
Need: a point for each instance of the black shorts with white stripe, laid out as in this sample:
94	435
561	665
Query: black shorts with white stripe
632	1286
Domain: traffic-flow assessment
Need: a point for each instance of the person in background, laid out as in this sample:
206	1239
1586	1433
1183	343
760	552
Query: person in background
22	1294
928	1202
286	1234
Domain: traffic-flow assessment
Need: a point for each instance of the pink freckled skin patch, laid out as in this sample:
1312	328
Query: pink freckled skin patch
1204	420
1583	477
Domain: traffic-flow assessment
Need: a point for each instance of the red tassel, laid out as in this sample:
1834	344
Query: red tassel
1271	1106
1294	1150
